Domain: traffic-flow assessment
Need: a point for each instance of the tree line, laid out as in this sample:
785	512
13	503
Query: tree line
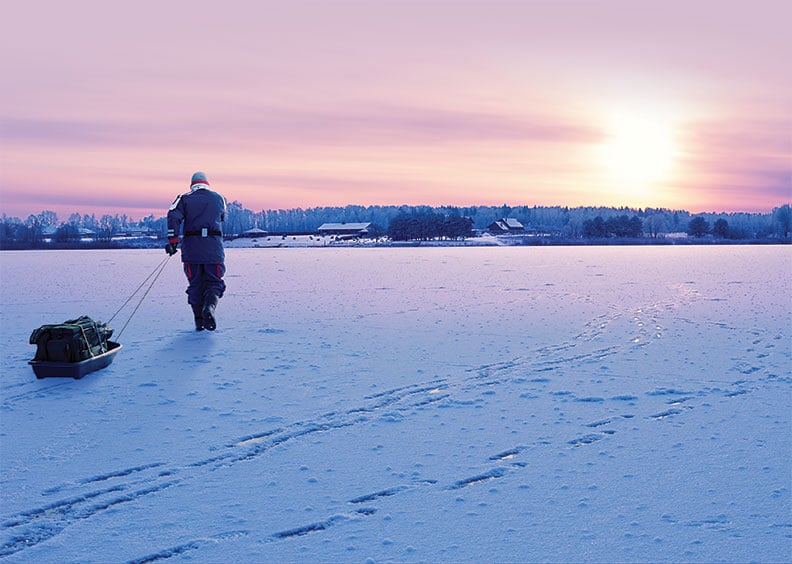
422	222
621	226
554	221
32	231
429	225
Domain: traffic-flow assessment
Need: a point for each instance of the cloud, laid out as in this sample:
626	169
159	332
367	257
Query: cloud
399	125
38	197
271	126
20	130
754	151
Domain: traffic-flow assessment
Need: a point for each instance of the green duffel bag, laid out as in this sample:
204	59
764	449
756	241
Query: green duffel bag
71	341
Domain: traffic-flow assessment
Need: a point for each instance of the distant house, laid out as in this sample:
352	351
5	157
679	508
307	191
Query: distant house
51	231
136	232
349	229
506	225
253	233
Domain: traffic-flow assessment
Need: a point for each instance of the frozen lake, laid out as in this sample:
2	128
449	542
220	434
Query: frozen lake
418	404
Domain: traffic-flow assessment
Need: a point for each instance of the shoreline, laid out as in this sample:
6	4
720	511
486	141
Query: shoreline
303	242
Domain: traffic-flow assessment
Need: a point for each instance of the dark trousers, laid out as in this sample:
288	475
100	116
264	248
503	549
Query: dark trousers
206	284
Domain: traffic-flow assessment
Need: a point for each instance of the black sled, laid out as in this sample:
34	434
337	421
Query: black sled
72	349
76	370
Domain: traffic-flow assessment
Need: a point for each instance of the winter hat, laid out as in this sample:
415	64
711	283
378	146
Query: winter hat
198	180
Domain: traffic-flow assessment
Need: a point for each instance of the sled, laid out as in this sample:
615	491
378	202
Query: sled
76	370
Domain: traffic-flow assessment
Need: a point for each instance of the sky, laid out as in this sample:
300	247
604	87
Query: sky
109	107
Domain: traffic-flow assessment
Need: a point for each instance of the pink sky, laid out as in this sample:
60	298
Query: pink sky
106	109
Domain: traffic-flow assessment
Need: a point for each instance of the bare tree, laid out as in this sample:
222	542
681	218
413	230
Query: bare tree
782	220
655	225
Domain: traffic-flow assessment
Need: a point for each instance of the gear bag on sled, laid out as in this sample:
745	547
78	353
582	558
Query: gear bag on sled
71	341
72	348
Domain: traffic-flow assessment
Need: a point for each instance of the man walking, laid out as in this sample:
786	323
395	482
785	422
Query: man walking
201	213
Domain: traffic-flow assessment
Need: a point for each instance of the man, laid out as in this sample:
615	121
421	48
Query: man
201	213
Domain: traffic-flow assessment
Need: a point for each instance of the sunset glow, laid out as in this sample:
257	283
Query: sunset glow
640	152
639	156
312	103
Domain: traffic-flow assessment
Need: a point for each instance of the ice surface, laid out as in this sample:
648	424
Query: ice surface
419	404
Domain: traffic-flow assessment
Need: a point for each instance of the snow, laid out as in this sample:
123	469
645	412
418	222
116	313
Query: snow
303	241
407	404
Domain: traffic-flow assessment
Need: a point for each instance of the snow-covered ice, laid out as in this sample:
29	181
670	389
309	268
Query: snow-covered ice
418	404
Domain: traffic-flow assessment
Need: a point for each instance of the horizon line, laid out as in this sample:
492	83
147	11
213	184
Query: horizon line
163	210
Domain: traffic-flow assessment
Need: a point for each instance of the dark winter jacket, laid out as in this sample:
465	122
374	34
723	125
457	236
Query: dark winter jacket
201	214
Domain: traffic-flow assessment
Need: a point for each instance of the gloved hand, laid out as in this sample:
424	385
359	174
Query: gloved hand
170	248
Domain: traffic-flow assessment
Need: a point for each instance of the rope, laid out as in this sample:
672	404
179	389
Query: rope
138	289
87	341
156	274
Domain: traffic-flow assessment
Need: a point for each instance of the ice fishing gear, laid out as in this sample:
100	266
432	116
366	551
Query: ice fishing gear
73	348
71	341
76	370
79	346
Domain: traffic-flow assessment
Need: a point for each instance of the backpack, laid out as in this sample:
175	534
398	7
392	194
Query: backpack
71	341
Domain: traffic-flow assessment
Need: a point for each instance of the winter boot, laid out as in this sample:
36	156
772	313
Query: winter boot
198	314
207	313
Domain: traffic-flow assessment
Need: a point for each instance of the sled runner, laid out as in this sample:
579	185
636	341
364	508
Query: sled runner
72	348
76	370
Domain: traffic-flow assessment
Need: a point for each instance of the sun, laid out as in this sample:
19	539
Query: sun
638	154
